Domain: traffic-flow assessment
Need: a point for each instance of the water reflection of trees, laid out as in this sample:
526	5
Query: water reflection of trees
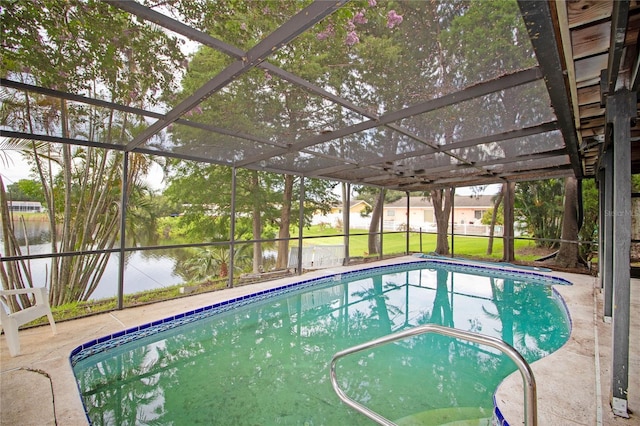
425	372
270	364
30	233
120	389
528	326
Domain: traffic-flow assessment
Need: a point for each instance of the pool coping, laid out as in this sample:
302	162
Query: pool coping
42	353
573	383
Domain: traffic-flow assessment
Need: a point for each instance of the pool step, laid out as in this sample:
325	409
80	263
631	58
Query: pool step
454	416
473	422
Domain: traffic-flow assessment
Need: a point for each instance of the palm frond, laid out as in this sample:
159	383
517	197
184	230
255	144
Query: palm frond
14	144
10	144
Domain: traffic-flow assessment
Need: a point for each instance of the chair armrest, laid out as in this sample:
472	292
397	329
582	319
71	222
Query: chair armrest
39	292
11	321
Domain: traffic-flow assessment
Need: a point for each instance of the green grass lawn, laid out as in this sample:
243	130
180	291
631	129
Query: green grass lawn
396	243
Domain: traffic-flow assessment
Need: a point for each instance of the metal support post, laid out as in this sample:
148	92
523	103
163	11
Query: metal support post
606	255
300	225
232	227
600	183
408	227
124	199
453	214
347	223
380	256
621	108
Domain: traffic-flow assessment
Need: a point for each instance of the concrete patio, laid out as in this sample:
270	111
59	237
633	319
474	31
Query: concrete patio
38	386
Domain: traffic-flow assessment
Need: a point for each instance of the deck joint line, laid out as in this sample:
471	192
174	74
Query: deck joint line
117	319
597	358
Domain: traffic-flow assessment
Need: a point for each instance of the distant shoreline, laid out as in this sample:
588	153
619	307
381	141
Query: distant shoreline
29	217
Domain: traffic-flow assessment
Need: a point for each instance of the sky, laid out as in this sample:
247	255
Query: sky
13	168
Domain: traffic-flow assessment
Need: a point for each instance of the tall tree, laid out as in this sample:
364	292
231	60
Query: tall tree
285	224
569	254
71	46
441	200
374	225
497	201
256	218
376	198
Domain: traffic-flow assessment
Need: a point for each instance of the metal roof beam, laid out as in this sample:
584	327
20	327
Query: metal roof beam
499	161
478	165
177	27
619	22
538	174
537	18
481	89
77	98
303	20
128	109
500	137
549	126
59	139
475	180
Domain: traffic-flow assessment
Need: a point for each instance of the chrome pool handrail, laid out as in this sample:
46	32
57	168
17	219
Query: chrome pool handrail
530	399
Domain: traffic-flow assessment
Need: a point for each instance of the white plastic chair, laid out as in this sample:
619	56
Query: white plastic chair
10	321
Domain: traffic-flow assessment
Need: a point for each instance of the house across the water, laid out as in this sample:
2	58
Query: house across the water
467	215
467	211
26	206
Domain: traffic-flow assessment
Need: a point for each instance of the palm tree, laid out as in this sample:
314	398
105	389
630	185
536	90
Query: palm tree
13	275
83	190
214	261
83	185
208	262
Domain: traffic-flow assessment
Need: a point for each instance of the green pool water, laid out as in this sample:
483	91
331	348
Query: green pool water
267	363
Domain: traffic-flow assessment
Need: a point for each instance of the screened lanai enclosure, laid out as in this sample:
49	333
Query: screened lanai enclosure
405	95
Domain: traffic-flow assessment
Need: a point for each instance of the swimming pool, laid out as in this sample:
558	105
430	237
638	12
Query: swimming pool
264	359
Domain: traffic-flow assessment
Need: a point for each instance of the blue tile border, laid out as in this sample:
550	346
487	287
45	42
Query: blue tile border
498	418
503	272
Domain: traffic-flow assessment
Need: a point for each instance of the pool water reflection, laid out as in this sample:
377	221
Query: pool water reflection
268	362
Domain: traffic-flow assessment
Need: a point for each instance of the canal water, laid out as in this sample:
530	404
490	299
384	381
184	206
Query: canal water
145	270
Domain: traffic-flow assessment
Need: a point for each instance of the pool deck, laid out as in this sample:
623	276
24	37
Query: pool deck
38	387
